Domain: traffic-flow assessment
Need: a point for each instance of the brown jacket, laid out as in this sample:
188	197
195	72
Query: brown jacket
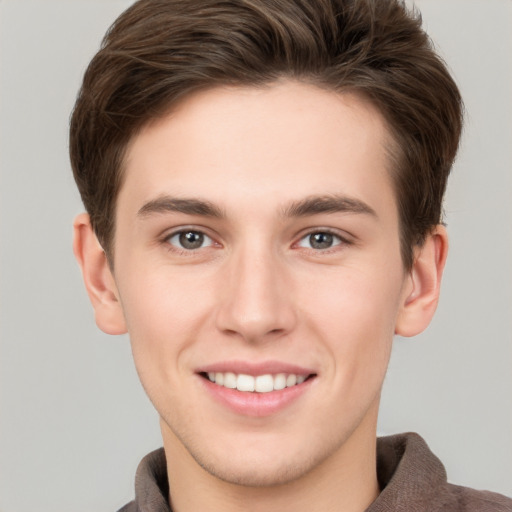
411	477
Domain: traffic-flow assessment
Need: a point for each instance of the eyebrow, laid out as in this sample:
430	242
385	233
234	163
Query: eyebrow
168	204
314	205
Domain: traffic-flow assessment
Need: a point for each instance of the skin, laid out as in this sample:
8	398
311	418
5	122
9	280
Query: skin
257	290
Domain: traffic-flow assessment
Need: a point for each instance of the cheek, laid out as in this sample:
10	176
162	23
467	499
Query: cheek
349	300
353	315
164	314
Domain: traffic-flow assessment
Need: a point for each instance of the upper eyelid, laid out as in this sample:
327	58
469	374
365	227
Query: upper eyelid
340	241
342	235
170	232
323	231
181	231
177	249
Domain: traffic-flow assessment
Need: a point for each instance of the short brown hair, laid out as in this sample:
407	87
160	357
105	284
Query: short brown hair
159	51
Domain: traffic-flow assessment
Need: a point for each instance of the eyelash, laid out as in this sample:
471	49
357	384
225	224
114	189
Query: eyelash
340	241
182	250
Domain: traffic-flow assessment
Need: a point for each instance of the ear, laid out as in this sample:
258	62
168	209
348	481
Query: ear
98	277
422	286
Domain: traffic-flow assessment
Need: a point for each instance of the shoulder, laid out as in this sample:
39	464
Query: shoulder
413	479
151	485
129	507
465	499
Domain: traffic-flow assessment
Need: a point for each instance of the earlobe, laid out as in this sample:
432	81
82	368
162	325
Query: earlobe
421	291
98	278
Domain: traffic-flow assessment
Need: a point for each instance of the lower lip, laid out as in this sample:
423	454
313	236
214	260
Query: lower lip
256	404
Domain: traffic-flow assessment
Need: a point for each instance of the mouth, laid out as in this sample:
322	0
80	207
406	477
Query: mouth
265	383
256	389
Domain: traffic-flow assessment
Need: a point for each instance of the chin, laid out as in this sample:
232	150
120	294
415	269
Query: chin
247	473
265	463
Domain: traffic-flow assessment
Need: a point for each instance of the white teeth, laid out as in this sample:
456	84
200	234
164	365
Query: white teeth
291	380
264	384
280	381
244	382
260	384
230	380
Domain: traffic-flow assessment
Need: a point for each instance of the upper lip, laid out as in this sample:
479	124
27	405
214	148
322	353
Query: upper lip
272	367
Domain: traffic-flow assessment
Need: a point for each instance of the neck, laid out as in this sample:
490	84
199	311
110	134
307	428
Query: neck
346	480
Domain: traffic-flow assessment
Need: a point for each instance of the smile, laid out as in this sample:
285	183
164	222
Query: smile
257	384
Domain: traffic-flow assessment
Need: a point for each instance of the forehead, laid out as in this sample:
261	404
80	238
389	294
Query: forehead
267	145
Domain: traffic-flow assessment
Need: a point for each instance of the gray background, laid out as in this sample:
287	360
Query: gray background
74	421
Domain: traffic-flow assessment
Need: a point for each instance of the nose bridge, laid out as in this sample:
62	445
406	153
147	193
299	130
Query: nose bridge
256	303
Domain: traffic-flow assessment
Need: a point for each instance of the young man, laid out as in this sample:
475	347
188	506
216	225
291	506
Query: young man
264	183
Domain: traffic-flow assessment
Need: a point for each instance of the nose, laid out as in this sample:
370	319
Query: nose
256	303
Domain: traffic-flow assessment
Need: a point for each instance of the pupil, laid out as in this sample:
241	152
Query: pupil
320	240
191	240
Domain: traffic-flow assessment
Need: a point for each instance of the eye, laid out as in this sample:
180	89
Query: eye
189	240
320	240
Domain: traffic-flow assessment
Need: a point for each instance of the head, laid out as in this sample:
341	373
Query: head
159	52
265	180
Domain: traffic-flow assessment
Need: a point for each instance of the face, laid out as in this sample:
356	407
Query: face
257	262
